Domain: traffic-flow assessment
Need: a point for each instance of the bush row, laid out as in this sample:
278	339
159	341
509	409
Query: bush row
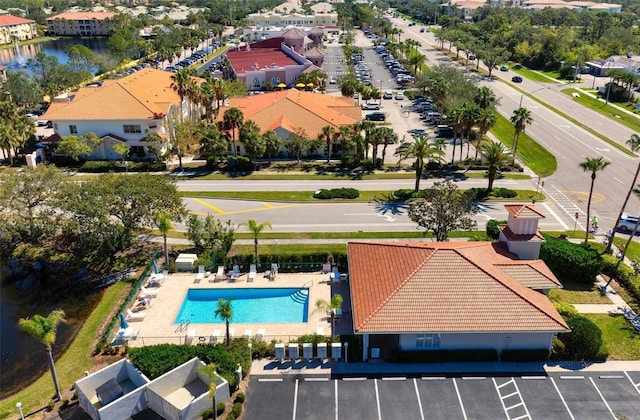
570	261
623	274
584	342
484	193
348	193
289	263
441	356
156	360
95	166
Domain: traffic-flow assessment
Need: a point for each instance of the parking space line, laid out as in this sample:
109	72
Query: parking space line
375	382
516	391
270	380
433	378
295	400
572	377
474	378
602	396
415	385
336	397
316	379
525	378
395	378
562	399
611	377
354	379
636	386
464	413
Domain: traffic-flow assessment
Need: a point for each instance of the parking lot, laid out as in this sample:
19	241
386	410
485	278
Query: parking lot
576	396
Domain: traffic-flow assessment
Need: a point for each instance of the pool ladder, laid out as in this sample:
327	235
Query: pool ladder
182	327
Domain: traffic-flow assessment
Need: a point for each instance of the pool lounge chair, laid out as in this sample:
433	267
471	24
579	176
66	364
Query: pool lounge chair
135	316
261	334
190	337
335	275
146	293
252	272
235	273
247	334
219	274
200	274
215	335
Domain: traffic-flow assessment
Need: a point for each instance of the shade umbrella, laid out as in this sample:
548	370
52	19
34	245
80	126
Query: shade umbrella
282	86
309	84
300	85
123	322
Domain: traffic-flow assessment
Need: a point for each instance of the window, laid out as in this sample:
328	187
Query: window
73	129
428	341
132	129
275	80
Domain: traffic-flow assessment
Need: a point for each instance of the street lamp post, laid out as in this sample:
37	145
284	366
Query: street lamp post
380	91
346	352
277	257
610	81
19	407
250	353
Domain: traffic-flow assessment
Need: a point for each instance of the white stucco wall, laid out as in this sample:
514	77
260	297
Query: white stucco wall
497	341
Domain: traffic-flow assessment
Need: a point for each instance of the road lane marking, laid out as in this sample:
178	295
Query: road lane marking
295	400
562	399
464	413
636	386
618	180
267	205
375	382
415	385
336	398
564	225
212	207
603	400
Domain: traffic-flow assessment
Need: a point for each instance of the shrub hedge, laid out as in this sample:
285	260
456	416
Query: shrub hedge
539	355
483	193
623	274
289	263
584	340
347	193
407	193
493	231
567	310
98	166
156	360
570	261
441	356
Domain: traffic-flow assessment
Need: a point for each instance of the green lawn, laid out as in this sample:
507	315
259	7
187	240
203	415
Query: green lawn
631	121
71	366
536	157
576	293
536	75
619	337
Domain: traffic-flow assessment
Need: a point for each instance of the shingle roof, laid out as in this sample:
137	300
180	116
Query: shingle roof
146	94
443	287
292	108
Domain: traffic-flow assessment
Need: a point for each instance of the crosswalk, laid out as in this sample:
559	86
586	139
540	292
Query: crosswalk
565	203
511	399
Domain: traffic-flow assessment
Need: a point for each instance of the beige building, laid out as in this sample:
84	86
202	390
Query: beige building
13	28
81	23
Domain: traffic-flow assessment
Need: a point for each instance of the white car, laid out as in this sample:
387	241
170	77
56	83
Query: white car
399	96
332	81
627	223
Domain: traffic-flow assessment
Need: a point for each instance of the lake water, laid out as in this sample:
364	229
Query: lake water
17	57
23	358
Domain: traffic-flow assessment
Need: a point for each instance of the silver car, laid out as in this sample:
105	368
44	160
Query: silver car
628	223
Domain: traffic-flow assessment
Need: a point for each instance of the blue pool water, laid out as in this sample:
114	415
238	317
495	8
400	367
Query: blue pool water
250	306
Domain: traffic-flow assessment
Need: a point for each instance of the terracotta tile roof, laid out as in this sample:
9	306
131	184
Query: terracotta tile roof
520	237
8	20
292	108
83	16
314	52
532	274
146	94
242	61
294	33
524	210
442	287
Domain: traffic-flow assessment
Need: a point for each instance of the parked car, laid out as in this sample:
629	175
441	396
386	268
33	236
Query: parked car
627	223
421	29
332	81
376	116
399	96
516	79
387	95
504	68
370	106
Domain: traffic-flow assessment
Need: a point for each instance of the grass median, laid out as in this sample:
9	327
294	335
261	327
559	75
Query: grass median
608	110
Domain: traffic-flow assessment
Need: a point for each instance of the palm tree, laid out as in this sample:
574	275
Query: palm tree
44	330
224	311
469	118
421	149
487	118
330	307
416	60
210	371
520	119
456	119
593	165
232	121
494	155
163	222
181	83
388	136
634	145
273	143
327	134
485	98
255	228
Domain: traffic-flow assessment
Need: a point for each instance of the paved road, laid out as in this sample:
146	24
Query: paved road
554	396
569	143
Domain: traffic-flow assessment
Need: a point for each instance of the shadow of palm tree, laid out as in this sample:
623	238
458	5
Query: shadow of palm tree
390	204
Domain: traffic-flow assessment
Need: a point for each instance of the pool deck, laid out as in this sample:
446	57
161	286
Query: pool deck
158	325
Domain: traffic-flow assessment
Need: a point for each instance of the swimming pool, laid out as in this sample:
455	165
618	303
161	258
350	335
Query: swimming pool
250	306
